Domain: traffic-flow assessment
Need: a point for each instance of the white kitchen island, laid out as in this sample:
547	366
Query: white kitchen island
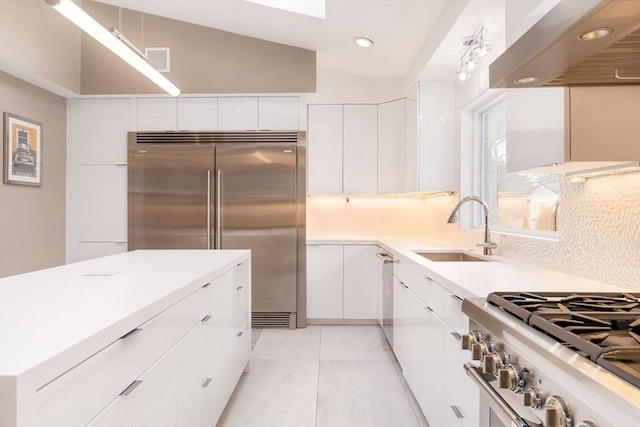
156	338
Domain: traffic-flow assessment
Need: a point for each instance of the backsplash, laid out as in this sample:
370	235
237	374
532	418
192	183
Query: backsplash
599	223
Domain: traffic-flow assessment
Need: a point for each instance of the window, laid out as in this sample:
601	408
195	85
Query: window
517	201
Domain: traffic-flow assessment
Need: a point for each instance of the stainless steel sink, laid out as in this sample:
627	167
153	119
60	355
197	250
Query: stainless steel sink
451	256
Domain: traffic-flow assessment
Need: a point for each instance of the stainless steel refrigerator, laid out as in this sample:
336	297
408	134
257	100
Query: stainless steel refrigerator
217	190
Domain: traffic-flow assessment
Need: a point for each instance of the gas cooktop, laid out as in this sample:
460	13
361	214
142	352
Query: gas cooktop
602	327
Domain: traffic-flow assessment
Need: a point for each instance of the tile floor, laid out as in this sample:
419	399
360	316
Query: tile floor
322	376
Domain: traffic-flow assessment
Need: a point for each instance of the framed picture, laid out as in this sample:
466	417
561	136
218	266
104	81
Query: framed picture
22	151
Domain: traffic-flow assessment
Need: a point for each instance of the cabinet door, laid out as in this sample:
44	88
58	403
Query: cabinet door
324	149
238	113
278	113
534	127
102	211
360	282
157	114
392	139
91	250
324	281
411	152
605	123
198	114
360	139
102	131
461	397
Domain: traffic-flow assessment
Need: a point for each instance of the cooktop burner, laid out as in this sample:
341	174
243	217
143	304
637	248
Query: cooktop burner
602	327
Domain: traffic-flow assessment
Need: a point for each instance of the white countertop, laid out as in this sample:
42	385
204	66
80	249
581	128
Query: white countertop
477	279
63	313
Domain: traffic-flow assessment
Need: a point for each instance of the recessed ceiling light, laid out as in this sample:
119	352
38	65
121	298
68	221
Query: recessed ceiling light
363	41
596	33
525	80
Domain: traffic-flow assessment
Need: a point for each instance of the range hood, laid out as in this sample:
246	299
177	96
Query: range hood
554	51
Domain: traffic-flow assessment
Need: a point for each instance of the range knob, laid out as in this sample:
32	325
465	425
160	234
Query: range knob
556	413
533	398
513	377
472	337
481	349
494	361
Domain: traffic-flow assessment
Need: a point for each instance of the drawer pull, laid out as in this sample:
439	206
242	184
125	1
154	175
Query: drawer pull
456	335
454	296
239	334
127	391
239	287
131	333
206	382
457	412
206	318
429	309
208	284
239	264
403	285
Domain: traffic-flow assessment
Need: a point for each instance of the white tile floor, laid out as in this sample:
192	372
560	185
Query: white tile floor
322	376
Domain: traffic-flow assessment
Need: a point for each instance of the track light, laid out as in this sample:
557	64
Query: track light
90	26
475	49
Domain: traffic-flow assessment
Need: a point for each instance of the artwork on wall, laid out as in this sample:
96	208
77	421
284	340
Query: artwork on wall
22	151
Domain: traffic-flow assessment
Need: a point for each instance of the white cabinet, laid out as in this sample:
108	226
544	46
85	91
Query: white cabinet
392	143
238	113
324	149
360	282
278	113
360	139
198	114
342	282
102	213
157	114
324	281
102	131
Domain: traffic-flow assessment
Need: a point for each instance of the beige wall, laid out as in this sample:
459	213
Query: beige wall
35	40
32	219
203	60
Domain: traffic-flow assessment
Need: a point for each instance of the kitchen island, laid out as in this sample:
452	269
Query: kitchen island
158	337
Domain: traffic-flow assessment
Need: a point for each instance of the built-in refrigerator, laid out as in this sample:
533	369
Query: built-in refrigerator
217	190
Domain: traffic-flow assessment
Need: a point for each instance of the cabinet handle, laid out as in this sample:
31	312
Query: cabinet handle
239	264
456	335
131	333
429	309
456	411
206	285
454	296
208	209
206	318
239	334
127	391
239	287
206	383
403	285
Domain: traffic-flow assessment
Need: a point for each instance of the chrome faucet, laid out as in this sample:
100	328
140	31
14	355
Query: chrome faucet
487	245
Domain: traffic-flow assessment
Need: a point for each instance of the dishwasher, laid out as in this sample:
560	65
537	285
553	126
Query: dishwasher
386	276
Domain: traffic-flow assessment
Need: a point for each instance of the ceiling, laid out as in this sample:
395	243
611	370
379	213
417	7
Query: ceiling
397	27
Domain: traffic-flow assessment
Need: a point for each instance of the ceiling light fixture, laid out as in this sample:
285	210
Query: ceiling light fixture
596	33
525	80
362	41
476	48
89	25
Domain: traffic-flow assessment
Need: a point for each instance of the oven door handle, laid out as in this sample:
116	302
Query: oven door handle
516	420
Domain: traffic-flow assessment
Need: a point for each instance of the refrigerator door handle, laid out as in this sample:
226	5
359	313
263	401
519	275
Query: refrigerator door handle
208	208
218	208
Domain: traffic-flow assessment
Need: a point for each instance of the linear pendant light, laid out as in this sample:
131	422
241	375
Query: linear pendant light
89	25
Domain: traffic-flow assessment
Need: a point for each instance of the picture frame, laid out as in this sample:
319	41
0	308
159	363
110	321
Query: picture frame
22	150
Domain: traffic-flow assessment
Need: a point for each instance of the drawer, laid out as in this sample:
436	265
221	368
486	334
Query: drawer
241	306
74	398
452	312
429	291
402	270
202	350
241	272
196	306
149	401
212	397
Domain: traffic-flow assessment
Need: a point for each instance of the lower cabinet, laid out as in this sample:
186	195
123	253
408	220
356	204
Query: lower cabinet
342	282
179	368
427	327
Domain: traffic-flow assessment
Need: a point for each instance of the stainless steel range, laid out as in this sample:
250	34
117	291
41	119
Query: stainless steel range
556	359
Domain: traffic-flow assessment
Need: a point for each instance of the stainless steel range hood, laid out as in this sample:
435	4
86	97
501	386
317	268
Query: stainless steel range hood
553	52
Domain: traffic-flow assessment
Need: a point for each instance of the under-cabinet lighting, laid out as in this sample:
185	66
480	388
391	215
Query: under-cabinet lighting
90	26
596	33
579	176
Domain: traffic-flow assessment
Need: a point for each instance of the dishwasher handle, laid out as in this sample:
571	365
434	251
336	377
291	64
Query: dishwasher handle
516	420
387	258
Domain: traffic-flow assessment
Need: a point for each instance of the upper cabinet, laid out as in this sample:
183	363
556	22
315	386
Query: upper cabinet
360	151
577	124
238	113
157	114
198	114
102	131
324	149
278	113
392	147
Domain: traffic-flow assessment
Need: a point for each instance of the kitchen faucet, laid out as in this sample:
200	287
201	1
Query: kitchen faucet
487	245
